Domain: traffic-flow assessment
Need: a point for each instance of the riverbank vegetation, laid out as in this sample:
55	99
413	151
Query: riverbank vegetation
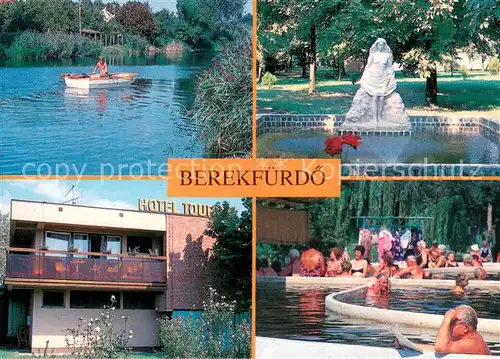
51	29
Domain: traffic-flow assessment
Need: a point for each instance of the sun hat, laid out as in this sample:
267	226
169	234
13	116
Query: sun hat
474	247
442	246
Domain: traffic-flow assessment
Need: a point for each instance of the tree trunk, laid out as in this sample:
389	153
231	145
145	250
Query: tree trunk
303	63
312	60
431	87
341	67
489	221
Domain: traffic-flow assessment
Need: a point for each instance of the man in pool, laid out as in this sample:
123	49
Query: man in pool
461	282
458	334
413	269
102	66
480	273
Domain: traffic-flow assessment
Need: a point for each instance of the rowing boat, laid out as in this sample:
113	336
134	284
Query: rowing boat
85	81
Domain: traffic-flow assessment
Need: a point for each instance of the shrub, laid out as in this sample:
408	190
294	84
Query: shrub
97	338
213	335
223	102
136	43
269	80
54	45
354	77
464	72
113	51
494	66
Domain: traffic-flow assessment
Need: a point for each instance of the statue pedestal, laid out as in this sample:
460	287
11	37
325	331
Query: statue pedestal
360	116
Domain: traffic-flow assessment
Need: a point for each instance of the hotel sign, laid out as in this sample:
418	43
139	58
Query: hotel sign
171	207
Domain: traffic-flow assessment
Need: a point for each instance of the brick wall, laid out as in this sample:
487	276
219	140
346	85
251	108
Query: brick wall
188	253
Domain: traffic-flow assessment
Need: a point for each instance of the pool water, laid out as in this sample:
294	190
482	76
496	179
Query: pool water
486	303
43	122
299	314
426	146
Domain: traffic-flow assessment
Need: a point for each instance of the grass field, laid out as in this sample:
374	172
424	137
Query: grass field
478	94
15	354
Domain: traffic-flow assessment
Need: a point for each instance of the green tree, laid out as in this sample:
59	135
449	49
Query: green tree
137	18
231	260
168	24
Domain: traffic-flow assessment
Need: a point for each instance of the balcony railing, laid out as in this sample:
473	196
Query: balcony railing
59	265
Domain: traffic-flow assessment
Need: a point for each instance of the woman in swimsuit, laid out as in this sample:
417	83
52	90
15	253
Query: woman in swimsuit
312	263
386	267
486	255
102	66
450	260
359	265
423	255
333	269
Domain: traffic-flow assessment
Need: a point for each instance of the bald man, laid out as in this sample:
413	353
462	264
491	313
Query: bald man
458	334
413	269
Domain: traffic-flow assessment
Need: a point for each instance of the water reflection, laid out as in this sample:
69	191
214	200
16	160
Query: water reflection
143	122
299	313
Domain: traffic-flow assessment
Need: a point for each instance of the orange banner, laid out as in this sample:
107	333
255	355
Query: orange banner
253	178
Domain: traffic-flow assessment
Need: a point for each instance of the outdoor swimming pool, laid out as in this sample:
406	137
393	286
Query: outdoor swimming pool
299	314
435	301
426	146
43	122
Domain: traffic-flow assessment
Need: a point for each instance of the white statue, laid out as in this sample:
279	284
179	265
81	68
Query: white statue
379	79
376	104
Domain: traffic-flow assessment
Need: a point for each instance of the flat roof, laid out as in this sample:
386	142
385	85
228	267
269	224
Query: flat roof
68	214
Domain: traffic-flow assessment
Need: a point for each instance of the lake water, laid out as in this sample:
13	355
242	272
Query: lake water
46	124
299	314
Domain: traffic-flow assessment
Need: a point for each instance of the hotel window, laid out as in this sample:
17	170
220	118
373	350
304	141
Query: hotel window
114	244
139	300
52	299
81	242
57	241
92	299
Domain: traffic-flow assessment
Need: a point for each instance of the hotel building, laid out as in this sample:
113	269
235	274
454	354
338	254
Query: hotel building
65	262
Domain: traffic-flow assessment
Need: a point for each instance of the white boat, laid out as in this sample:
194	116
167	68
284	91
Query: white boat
84	81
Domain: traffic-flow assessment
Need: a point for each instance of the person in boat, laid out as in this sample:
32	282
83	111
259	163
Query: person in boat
333	268
346	267
450	260
458	334
293	266
486	255
461	282
101	66
312	263
386	266
480	273
266	269
423	254
476	261
467	259
413	269
359	264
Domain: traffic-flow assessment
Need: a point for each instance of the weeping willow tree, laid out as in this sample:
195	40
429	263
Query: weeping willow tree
458	211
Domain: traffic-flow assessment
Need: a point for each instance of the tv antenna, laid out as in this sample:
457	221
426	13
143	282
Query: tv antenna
73	198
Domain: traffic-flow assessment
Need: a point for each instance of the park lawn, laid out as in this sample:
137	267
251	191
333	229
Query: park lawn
477	95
